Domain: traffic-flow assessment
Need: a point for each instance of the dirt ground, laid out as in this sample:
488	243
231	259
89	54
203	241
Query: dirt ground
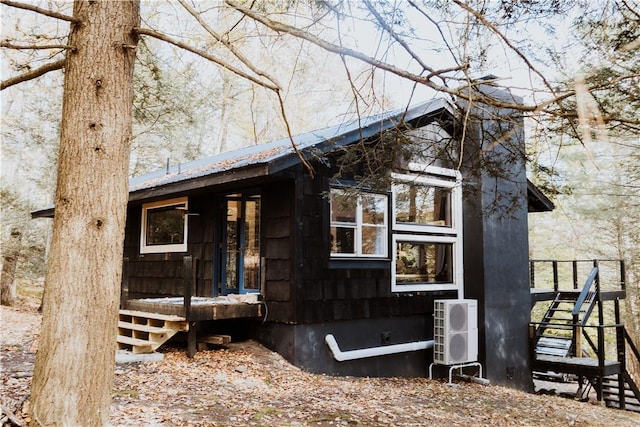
244	384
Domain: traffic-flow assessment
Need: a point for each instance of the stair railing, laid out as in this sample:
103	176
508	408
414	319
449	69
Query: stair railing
623	339
629	341
576	341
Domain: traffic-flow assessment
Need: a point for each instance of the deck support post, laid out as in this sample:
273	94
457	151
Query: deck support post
192	339
124	284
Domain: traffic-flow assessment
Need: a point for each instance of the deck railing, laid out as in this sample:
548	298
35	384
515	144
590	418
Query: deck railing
190	275
568	275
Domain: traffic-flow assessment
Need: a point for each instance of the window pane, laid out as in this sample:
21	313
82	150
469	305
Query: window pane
424	262
165	225
374	240
419	204
373	208
343	240
343	207
234	214
251	256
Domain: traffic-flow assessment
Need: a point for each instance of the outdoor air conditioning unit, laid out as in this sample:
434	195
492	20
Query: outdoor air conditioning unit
455	331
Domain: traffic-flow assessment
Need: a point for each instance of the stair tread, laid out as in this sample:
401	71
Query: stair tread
134	341
156	316
142	327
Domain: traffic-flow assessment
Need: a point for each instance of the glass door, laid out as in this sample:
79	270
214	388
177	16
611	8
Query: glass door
240	245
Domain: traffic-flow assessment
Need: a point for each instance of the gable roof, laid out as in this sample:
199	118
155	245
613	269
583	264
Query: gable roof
275	156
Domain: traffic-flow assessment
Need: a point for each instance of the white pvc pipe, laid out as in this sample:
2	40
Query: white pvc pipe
341	356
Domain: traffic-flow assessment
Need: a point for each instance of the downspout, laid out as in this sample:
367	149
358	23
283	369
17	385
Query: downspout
341	356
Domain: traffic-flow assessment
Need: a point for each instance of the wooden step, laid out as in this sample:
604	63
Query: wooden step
137	345
556	346
143	327
156	316
610	394
144	332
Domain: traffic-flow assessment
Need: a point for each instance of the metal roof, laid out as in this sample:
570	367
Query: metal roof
309	144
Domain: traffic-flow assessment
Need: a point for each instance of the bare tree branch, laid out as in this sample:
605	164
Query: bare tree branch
206	55
511	46
9	45
32	74
41	11
425	80
275	85
227	44
395	36
272	85
442	37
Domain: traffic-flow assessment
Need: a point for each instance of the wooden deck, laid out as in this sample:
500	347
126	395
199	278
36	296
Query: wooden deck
201	308
576	365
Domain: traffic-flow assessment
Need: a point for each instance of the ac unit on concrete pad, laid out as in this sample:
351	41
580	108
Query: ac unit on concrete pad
455	331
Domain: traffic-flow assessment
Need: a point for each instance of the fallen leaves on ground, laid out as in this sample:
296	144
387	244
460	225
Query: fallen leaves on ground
244	384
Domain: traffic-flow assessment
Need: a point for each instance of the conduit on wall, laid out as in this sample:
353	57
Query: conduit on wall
341	356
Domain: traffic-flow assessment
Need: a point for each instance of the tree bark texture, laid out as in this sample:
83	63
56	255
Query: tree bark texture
73	375
9	264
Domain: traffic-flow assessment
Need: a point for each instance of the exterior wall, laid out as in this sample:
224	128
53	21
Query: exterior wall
351	300
496	249
278	253
304	345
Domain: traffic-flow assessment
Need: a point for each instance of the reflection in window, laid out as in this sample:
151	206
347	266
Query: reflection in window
358	224
424	262
164	226
422	205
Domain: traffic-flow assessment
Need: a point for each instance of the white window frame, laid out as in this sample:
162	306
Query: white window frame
456	203
457	270
154	249
404	232
358	229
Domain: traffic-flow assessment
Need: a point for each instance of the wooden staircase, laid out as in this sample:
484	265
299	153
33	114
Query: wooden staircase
611	392
558	334
142	332
556	342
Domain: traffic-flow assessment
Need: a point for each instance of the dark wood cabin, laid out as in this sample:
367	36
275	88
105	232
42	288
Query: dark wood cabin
359	247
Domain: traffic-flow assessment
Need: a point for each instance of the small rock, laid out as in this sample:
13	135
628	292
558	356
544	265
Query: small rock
241	368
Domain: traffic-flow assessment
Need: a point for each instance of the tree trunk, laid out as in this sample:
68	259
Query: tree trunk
73	375
9	264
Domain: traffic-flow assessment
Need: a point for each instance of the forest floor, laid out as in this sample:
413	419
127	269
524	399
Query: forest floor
244	384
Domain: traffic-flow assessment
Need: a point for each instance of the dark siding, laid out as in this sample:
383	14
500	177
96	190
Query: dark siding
352	291
159	275
277	226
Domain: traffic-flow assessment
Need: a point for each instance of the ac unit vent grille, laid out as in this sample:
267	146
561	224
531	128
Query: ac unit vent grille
458	317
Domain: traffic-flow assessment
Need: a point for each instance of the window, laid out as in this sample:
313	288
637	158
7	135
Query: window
358	224
427	230
164	226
